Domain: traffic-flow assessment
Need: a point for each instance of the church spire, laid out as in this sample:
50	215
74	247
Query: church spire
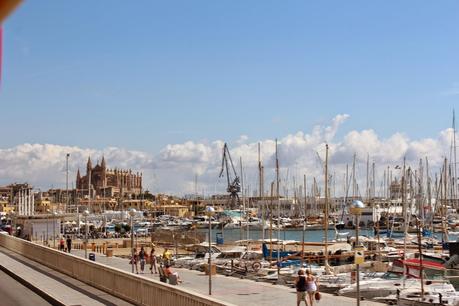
102	164
89	165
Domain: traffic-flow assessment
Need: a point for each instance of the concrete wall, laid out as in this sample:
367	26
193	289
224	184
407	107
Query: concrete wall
132	288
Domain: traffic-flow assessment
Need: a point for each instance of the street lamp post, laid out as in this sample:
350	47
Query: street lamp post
13	223
86	214
67	182
47	226
356	209
210	211
54	229
132	212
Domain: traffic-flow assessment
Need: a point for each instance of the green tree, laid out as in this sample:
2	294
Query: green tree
126	227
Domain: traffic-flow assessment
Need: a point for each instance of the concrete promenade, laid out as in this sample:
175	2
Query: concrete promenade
13	293
61	288
232	290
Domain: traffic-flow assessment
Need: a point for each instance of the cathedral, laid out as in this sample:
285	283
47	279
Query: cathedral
109	182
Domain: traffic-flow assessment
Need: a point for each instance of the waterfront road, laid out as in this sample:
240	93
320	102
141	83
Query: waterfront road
51	285
233	290
12	293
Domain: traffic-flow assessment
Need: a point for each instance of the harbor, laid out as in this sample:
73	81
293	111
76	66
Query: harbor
223	153
399	248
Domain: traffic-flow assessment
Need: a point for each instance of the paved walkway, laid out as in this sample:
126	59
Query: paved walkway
60	287
14	293
231	289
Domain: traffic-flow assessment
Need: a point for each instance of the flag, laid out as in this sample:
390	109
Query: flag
1	52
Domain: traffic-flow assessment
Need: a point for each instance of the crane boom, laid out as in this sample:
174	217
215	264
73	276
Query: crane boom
232	179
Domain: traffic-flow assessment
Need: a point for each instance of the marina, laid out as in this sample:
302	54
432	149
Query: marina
223	153
399	248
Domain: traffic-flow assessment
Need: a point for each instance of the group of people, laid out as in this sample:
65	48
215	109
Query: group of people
306	288
63	243
141	258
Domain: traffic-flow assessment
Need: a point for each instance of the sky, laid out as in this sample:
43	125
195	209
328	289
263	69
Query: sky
160	86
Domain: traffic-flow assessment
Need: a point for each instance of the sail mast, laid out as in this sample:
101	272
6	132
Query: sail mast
243	200
327	268
271	223
353	178
260	193
405	219
278	206
304	221
367	193
455	185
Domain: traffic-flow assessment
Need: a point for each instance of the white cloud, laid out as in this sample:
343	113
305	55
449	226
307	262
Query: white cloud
173	169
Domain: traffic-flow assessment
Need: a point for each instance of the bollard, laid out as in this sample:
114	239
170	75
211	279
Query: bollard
93	246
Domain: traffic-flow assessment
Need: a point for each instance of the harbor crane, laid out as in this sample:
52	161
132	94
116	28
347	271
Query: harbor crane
233	181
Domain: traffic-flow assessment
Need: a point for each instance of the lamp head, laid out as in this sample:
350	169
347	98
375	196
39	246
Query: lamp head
132	212
86	213
210	210
356	207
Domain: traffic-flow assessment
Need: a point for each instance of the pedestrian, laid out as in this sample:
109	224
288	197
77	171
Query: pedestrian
69	243
311	287
135	260
142	255
300	285
167	256
62	244
169	272
153	260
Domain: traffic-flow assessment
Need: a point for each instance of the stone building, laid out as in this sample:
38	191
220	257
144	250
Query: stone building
109	182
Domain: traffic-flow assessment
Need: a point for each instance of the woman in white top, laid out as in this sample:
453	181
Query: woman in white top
311	286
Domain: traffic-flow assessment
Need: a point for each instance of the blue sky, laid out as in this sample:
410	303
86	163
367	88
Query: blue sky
144	74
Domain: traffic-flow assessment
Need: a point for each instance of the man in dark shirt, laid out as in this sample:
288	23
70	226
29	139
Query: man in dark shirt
69	244
300	284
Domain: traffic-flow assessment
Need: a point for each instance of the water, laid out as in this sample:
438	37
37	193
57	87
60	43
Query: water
231	235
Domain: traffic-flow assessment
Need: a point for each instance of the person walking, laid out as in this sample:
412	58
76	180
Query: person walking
62	244
311	287
142	255
135	260
69	244
153	260
300	285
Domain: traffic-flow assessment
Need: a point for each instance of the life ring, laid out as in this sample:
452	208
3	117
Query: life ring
256	266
